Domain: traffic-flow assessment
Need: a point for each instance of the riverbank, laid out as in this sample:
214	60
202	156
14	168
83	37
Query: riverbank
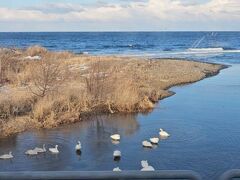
42	89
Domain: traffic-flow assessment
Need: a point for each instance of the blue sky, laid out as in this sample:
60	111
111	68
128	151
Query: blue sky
119	15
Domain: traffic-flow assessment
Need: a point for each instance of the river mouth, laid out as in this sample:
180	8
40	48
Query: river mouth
203	119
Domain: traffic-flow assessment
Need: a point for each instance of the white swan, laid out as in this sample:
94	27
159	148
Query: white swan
144	163
147	144
115	137
117	169
154	140
117	154
40	150
54	150
31	152
7	156
146	167
78	147
149	168
163	133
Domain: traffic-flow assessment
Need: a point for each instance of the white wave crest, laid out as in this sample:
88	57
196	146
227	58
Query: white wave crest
206	49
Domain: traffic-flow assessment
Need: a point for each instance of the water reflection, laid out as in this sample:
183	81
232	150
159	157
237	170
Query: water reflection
111	124
8	143
93	133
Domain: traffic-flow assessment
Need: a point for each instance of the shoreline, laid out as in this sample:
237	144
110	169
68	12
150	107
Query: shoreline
171	93
208	75
91	85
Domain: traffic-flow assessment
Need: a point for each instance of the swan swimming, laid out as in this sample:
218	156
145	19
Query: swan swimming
147	144
163	133
7	156
154	140
117	155
54	150
144	163
78	147
117	169
31	152
40	150
146	167
115	137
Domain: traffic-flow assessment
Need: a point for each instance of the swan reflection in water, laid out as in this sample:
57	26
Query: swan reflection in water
93	133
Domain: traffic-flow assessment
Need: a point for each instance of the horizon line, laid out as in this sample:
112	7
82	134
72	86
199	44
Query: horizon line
119	31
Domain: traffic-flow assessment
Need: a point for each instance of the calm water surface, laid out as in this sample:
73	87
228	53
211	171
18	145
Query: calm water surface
203	119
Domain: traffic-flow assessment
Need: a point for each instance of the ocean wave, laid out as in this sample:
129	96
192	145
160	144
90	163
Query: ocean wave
187	53
206	49
212	50
131	46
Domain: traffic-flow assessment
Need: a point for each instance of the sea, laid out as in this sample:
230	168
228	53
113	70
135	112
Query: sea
206	46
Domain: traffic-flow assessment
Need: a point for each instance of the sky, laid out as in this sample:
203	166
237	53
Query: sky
119	15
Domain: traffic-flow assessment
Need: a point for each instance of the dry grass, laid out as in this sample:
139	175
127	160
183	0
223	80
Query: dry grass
64	88
15	103
36	51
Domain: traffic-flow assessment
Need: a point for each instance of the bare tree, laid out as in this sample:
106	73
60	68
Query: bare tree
47	76
95	82
101	84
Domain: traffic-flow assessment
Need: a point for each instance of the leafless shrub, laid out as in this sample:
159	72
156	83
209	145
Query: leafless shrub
46	76
110	90
96	82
